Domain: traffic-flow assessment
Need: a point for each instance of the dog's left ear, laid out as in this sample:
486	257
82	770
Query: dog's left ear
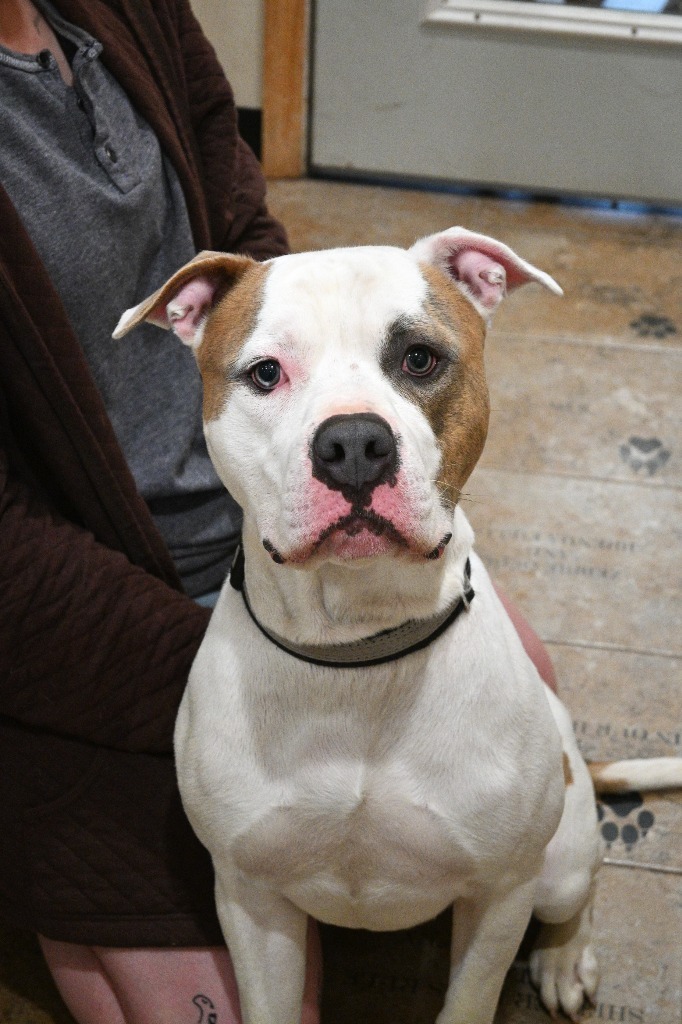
484	269
185	300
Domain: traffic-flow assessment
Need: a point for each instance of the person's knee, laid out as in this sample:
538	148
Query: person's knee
104	985
82	982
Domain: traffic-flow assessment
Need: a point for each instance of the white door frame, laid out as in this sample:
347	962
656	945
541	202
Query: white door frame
558	18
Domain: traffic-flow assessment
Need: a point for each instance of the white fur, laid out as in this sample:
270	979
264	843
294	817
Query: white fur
373	797
642	774
376	798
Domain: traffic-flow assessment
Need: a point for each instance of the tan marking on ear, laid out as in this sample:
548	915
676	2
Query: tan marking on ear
231	322
458	411
568	774
153	308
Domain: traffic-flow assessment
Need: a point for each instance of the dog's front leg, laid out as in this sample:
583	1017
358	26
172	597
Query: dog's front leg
486	933
266	936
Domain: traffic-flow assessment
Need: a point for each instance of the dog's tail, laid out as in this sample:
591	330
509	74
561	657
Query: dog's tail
643	774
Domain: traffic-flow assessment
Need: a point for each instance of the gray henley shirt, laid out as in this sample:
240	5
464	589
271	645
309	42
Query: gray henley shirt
106	213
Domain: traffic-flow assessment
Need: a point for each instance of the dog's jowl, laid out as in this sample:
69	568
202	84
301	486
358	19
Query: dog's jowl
363	738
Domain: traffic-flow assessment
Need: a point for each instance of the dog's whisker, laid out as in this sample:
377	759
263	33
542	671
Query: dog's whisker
474	499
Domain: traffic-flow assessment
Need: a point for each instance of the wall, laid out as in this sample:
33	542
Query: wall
236	30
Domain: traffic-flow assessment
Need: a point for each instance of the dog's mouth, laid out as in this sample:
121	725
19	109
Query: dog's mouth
362	533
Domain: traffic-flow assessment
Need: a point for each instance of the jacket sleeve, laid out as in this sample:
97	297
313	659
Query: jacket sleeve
91	646
233	181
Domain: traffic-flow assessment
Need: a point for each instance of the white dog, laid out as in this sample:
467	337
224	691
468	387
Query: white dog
363	737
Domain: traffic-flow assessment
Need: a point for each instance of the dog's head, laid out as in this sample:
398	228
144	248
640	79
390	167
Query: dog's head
345	401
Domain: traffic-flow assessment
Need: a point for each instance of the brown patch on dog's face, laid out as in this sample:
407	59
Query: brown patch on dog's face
454	399
568	774
231	322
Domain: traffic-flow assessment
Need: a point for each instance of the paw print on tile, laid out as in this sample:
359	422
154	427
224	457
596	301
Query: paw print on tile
623	819
648	325
644	453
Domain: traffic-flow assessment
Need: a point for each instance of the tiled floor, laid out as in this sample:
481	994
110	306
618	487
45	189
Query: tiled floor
576	504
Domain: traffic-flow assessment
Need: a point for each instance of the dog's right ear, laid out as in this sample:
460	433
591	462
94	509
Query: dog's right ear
183	303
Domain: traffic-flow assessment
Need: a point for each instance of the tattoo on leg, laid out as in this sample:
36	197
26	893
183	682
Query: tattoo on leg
207	1010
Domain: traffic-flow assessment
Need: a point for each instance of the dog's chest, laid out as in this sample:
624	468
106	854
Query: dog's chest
367	823
370	799
357	844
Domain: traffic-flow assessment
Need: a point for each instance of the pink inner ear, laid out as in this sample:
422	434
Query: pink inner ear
187	310
486	279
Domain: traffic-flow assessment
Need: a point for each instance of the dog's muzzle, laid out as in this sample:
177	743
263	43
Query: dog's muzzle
354	453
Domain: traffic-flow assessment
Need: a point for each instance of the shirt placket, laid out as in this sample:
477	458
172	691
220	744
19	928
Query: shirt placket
107	139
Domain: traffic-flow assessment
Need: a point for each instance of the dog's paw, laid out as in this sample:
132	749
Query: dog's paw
564	969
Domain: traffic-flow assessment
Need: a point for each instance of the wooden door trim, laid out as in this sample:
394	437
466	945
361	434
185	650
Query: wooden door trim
285	88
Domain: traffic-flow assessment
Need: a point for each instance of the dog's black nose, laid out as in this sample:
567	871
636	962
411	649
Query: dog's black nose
353	454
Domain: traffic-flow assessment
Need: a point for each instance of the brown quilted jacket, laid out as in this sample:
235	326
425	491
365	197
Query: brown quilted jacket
96	637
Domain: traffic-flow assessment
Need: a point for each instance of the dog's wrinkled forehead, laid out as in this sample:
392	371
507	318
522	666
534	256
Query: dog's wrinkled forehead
228	308
343	320
354	292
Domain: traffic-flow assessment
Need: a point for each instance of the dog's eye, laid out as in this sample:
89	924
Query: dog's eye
267	374
419	361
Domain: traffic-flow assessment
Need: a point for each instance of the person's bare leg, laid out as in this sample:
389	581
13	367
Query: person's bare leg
165	986
103	985
82	983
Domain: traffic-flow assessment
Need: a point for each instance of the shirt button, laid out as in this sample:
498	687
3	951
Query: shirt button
45	59
111	153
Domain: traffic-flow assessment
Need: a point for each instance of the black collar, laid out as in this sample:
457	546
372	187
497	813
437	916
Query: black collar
387	645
